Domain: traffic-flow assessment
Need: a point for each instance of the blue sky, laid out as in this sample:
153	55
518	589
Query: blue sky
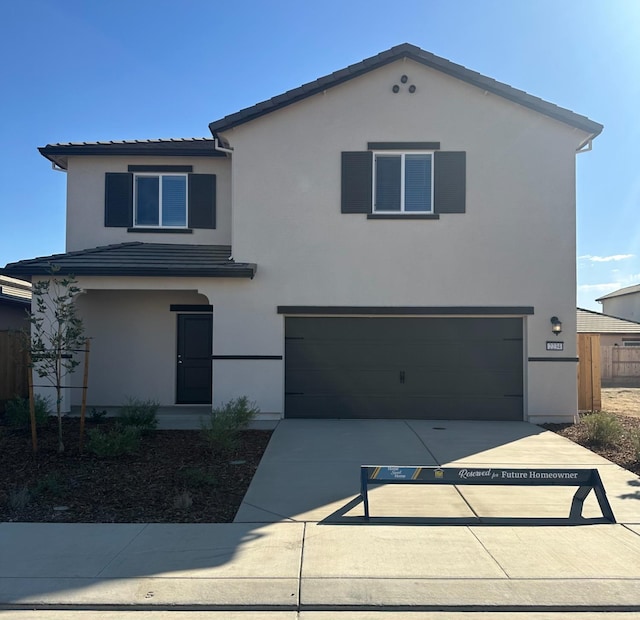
83	70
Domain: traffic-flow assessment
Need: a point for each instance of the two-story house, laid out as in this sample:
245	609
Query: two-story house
623	303
388	241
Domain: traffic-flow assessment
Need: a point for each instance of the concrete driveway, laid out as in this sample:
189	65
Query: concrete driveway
310	472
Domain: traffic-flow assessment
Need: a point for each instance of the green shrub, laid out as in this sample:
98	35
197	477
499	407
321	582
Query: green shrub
17	412
18	499
98	416
51	484
602	428
197	478
183	501
635	444
115	442
140	414
222	430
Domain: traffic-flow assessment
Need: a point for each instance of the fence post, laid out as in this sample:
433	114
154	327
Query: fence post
85	380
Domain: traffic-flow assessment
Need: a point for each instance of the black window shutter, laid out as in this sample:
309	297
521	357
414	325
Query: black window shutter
202	201
118	199
356	181
449	181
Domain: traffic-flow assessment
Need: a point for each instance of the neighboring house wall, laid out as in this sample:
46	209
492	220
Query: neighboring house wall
624	306
86	202
13	316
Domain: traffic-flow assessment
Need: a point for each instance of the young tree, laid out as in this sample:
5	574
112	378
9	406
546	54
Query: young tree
57	333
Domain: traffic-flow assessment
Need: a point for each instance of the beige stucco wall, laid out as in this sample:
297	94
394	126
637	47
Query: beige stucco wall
515	245
133	345
85	202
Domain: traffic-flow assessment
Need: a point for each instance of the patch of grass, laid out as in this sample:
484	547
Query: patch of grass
17	412
222	430
602	428
140	414
115	442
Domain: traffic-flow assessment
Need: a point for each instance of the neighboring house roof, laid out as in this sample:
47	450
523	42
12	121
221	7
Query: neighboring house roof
14	291
590	322
419	55
139	259
627	290
195	147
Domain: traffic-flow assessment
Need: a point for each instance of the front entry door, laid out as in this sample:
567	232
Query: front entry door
194	358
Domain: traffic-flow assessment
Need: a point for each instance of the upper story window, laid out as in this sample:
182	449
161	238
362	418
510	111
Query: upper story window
160	200
403	183
403	180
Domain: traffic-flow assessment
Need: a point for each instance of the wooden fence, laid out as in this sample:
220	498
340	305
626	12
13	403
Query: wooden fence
13	367
620	366
589	380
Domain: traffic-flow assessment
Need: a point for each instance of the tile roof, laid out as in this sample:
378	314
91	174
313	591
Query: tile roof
412	52
139	259
627	290
590	322
195	147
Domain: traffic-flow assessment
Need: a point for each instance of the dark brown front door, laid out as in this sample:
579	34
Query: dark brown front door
194	358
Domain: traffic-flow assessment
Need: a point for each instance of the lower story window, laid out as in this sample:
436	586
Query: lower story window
403	183
161	200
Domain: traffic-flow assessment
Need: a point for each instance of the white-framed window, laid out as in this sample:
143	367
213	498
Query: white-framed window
631	343
160	200
403	182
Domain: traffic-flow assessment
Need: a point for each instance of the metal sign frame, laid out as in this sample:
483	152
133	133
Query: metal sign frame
586	480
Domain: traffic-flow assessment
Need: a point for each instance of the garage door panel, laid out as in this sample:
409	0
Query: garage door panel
418	408
457	368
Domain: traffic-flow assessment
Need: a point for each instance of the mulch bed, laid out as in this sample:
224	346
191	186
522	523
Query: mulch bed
622	453
174	477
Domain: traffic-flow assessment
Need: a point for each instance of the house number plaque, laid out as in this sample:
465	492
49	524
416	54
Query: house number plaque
555	345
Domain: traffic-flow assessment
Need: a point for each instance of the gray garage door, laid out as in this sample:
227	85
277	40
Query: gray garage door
437	368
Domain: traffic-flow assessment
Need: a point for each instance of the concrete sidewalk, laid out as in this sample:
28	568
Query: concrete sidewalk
312	567
290	562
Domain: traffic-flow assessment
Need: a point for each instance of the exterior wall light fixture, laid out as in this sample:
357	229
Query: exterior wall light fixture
556	325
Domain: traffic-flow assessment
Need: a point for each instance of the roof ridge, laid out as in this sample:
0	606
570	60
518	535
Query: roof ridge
132	141
95	250
419	55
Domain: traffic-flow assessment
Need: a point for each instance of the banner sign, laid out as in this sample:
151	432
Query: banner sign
476	475
586	480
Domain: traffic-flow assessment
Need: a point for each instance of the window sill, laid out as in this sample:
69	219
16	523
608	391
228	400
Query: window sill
403	216
173	231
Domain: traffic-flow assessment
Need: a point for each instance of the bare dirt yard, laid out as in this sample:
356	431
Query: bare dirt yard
624	405
623	401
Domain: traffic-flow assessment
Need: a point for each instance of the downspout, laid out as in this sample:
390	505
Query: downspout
222	149
217	147
586	146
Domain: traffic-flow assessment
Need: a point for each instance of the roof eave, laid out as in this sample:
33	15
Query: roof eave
236	270
412	52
